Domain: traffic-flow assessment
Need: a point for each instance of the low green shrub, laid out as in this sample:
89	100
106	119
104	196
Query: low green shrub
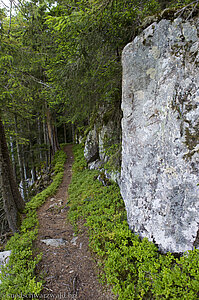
18	276
133	267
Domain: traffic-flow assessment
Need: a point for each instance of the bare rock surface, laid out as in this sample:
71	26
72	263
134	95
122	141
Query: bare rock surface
91	150
160	134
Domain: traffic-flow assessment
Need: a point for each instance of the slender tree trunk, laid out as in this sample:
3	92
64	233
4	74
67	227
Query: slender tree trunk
13	202
33	169
47	143
51	132
32	159
39	138
20	161
73	132
22	175
13	156
56	138
64	133
24	162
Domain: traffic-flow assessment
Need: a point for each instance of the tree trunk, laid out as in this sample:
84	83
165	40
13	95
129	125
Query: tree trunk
51	132
73	132
13	156
33	169
24	163
8	201
21	169
65	133
21	163
39	138
13	202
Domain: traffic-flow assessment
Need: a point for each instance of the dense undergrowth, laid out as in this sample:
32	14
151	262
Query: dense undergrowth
21	283
133	267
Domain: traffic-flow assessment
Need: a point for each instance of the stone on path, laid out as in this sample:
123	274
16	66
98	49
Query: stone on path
54	242
74	239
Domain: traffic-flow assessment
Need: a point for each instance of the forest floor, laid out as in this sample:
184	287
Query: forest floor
69	270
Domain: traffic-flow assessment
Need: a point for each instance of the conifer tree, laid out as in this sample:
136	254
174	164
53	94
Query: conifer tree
12	200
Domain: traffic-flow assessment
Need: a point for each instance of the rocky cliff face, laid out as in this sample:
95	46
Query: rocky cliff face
100	150
160	134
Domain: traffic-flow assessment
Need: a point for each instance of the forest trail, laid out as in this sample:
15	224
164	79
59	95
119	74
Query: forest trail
69	270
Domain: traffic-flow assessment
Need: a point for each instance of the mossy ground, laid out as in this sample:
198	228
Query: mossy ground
133	267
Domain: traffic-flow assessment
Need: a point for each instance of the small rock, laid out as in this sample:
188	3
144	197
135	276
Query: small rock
52	206
74	239
4	258
54	242
60	202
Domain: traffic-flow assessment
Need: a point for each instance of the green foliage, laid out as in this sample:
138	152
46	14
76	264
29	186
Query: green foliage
134	268
18	276
184	2
89	38
113	151
66	57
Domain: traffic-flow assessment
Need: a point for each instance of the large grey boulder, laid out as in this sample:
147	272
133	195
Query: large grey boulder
160	133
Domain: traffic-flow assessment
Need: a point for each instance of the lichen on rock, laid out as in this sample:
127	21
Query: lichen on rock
160	133
91	150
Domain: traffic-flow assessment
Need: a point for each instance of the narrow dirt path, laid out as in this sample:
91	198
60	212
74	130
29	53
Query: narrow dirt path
69	269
